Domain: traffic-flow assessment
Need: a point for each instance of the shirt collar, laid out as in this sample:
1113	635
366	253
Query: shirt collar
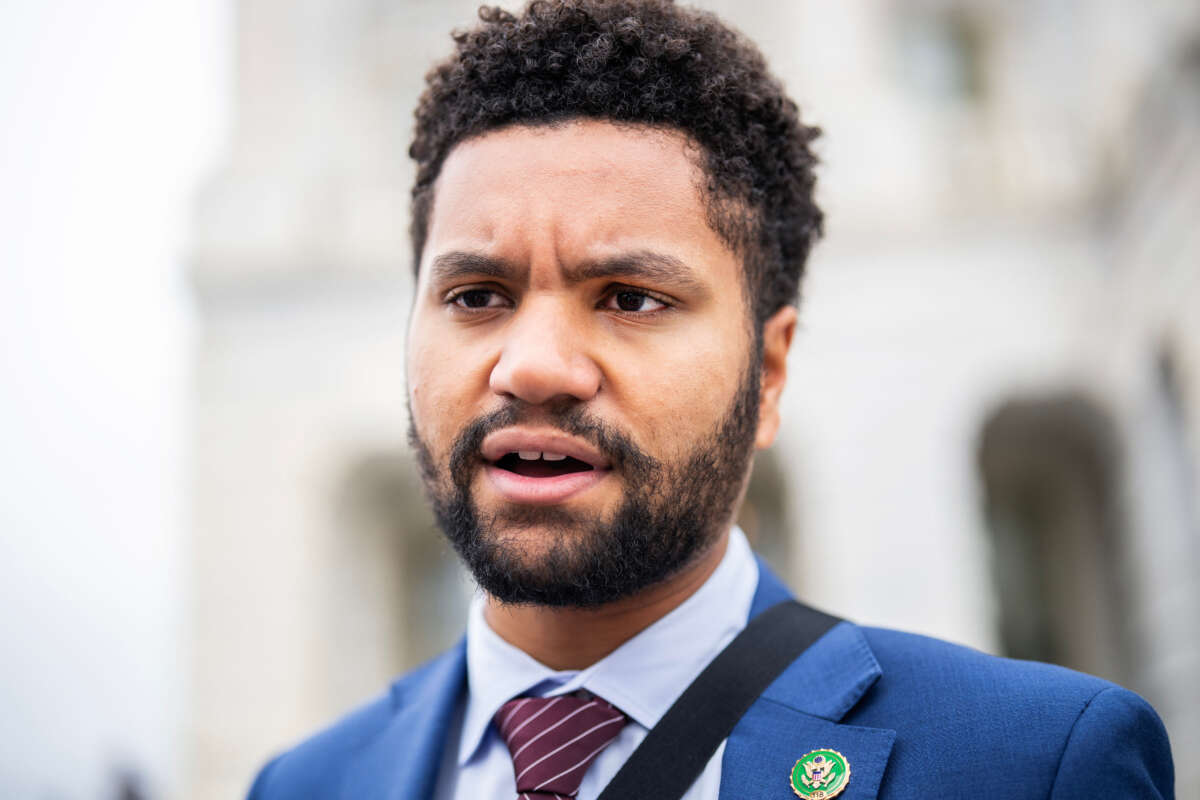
642	677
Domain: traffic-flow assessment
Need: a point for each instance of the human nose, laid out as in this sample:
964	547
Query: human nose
543	358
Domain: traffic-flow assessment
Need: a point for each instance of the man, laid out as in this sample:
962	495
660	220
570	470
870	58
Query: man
611	217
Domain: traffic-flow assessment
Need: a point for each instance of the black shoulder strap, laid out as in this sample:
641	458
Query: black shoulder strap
707	711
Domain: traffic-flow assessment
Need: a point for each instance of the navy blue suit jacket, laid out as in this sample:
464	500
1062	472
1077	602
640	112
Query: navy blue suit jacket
915	718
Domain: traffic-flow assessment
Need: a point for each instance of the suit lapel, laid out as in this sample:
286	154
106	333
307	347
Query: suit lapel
799	712
401	763
763	748
802	711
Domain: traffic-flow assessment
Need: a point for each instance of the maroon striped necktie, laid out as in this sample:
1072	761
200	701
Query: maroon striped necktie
553	740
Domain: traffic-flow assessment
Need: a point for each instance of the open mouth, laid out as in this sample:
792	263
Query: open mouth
541	464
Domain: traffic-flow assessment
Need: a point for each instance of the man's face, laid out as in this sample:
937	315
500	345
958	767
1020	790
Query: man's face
583	379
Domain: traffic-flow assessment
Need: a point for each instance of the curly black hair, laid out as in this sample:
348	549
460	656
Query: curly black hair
644	62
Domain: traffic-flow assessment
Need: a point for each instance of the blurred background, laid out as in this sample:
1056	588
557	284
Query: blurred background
212	539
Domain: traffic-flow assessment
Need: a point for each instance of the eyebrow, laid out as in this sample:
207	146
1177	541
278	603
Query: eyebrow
645	264
459	264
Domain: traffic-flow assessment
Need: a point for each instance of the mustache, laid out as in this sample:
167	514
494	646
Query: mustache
621	451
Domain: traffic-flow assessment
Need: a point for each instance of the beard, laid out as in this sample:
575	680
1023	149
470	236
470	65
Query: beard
671	514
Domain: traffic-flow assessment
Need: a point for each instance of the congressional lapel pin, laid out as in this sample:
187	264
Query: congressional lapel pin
820	775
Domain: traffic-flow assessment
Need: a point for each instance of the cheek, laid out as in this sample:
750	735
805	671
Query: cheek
428	387
679	394
447	384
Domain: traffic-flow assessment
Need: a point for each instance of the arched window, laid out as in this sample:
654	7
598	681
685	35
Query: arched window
1050	475
400	595
765	514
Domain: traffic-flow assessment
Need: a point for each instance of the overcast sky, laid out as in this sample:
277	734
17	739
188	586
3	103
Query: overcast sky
110	114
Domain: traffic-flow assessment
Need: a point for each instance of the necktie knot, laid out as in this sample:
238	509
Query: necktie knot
553	740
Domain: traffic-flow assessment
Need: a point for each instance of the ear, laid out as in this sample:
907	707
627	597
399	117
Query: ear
777	341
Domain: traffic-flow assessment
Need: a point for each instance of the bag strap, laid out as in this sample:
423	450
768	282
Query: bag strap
676	750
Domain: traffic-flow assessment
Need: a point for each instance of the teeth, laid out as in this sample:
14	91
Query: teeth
554	456
529	455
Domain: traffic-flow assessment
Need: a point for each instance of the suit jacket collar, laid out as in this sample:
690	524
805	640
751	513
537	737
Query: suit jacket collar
801	711
831	676
401	763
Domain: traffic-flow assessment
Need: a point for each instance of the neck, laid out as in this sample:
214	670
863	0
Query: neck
575	638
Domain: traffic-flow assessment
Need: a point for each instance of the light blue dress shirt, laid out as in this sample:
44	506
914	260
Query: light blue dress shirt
642	677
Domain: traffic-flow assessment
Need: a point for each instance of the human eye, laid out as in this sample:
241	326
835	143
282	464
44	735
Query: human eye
634	301
476	298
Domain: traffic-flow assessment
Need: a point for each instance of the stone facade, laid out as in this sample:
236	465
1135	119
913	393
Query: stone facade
994	404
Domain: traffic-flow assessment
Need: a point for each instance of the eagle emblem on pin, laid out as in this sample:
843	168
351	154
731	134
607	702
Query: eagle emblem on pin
820	775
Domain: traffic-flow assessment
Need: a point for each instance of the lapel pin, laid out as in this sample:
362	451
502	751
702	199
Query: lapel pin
820	775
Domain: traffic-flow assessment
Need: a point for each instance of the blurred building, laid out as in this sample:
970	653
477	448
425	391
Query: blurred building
993	424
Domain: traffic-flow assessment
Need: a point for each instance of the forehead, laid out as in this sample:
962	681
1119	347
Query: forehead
576	191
